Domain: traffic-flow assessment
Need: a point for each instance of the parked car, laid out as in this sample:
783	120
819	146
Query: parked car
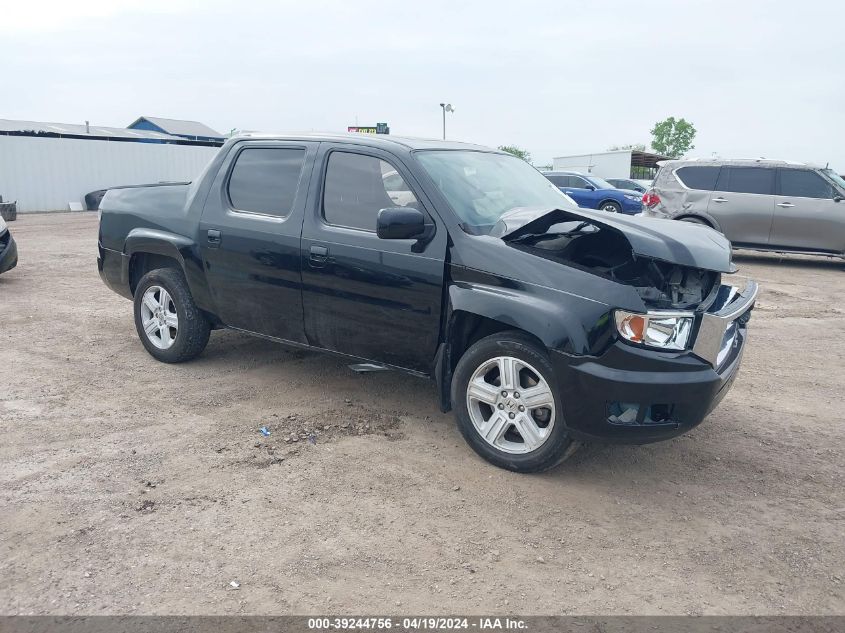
758	204
629	184
592	192
8	248
542	324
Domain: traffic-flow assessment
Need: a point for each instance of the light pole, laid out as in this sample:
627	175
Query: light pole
446	107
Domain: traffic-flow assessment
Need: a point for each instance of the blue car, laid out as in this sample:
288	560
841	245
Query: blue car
591	192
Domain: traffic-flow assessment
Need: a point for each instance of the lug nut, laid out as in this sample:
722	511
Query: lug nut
504	394
511	416
516	394
501	406
521	408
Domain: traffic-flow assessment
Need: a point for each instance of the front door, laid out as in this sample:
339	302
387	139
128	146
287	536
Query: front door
364	296
806	215
743	204
250	237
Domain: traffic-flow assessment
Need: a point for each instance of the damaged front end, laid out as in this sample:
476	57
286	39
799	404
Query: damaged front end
675	268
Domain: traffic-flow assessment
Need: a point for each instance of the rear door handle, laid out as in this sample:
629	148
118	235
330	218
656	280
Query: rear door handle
319	255
720	199
785	205
214	238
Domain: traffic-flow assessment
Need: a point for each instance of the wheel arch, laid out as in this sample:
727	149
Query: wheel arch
606	200
463	329
707	221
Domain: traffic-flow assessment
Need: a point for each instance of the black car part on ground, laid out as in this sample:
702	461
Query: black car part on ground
8	210
93	199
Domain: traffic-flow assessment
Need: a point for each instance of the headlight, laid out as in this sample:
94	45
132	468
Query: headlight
631	196
662	330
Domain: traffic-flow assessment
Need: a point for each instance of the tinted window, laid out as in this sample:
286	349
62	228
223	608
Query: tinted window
358	187
800	183
577	183
746	180
264	180
559	181
702	177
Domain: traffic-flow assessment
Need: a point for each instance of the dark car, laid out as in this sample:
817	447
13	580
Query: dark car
8	248
541	324
592	192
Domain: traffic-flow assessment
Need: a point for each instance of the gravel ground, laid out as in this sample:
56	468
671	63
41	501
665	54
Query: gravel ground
129	486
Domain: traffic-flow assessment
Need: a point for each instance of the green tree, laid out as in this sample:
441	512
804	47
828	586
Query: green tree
517	151
673	137
637	147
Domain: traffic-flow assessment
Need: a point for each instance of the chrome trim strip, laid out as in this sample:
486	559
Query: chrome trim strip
711	332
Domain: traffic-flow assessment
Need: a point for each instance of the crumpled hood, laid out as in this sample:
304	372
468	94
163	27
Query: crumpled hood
681	243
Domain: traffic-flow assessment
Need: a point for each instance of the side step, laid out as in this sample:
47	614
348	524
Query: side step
363	368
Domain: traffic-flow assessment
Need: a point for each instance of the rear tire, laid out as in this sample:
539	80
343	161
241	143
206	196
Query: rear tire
517	422
170	325
610	207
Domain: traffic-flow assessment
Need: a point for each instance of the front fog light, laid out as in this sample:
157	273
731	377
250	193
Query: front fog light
663	330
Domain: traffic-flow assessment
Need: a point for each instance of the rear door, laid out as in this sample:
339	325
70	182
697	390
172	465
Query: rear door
806	217
250	237
743	203
364	296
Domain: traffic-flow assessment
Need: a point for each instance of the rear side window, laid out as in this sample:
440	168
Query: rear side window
801	183
358	187
265	180
699	177
559	181
747	180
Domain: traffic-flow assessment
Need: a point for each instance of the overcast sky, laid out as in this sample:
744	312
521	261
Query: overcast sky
556	78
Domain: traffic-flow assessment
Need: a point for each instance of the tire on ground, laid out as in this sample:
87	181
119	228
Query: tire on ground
194	329
559	444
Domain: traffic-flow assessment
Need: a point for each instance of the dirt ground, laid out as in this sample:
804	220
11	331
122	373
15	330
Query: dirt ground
130	486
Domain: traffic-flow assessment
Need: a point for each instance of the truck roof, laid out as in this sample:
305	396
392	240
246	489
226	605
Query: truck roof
372	140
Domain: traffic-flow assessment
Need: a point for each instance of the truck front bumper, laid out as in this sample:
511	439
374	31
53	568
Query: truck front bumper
634	395
8	252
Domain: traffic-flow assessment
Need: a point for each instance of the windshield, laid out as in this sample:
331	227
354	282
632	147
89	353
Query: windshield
835	178
599	183
482	186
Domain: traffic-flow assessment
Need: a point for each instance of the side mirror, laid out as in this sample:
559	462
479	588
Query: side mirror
838	198
400	223
590	188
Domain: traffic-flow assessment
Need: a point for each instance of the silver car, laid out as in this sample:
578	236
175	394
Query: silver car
757	204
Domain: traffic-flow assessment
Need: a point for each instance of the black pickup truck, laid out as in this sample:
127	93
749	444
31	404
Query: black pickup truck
542	324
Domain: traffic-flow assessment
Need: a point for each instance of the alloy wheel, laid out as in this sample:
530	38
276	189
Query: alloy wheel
158	317
511	405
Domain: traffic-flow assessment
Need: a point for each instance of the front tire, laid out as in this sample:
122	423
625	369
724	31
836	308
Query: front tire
170	325
610	207
507	405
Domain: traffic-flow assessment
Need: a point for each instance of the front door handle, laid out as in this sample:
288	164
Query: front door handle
785	205
214	238
318	256
720	199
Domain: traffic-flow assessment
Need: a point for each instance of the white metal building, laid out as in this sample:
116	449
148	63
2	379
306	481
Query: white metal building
46	171
624	163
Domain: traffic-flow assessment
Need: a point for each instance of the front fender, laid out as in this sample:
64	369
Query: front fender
561	320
